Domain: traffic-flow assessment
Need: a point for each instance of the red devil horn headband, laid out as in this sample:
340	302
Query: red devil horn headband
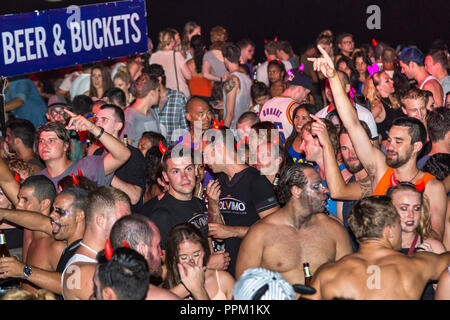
108	250
161	147
75	179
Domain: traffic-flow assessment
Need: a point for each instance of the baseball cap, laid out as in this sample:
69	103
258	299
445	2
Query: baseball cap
411	54
298	78
263	284
57	100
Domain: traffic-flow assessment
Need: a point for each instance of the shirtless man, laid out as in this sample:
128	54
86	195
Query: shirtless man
65	222
406	139
104	206
37	194
286	239
143	236
378	270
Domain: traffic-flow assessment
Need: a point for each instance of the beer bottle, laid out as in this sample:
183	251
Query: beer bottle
276	181
307	272
125	139
4	251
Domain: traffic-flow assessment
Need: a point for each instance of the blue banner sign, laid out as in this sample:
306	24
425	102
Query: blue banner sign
51	39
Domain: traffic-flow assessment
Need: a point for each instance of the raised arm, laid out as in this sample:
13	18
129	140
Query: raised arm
337	186
370	157
118	152
34	221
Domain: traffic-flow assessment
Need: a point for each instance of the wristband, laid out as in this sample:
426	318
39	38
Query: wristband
101	133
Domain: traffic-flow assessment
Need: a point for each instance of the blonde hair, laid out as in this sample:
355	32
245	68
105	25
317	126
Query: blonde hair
123	74
424	228
166	37
374	96
17	294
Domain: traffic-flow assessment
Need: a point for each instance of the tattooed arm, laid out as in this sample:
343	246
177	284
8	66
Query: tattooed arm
231	88
336	183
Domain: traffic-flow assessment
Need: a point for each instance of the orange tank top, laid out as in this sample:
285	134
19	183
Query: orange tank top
200	86
388	180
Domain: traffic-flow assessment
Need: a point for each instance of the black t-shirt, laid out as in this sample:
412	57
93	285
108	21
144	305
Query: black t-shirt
148	207
67	254
170	211
241	199
132	172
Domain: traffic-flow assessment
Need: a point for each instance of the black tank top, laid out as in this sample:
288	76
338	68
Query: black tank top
391	114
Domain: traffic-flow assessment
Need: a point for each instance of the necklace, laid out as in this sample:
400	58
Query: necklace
89	248
414	175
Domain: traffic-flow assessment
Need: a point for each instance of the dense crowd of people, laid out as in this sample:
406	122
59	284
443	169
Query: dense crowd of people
194	172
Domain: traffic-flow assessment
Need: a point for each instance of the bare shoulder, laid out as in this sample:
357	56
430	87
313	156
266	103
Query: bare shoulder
226	277
434	185
330	222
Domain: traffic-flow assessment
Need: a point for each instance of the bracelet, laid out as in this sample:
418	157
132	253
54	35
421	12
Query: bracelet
101	133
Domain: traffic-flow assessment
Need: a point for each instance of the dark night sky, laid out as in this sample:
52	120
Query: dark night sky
402	21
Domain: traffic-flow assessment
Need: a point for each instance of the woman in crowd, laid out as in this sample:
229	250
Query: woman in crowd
186	245
213	64
277	74
173	62
122	80
361	61
385	107
417	235
190	29
294	141
199	85
100	81
346	65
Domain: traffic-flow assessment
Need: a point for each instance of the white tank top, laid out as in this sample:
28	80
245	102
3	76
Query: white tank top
243	99
279	110
76	258
428	79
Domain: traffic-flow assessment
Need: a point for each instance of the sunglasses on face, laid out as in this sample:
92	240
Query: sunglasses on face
62	212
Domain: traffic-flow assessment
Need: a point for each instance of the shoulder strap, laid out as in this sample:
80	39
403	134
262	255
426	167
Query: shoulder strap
175	67
413	245
218	280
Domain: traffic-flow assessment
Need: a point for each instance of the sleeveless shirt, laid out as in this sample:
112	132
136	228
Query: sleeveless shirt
388	180
279	110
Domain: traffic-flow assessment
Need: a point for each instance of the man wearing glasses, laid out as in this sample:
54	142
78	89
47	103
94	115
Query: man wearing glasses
345	44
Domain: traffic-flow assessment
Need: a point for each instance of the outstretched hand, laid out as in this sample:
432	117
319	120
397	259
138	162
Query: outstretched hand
78	122
324	64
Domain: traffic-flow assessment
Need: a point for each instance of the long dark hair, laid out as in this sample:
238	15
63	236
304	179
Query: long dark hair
178	234
294	133
354	75
107	82
198	47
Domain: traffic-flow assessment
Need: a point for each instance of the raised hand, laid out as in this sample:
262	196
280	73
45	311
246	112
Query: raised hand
78	122
319	129
324	64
